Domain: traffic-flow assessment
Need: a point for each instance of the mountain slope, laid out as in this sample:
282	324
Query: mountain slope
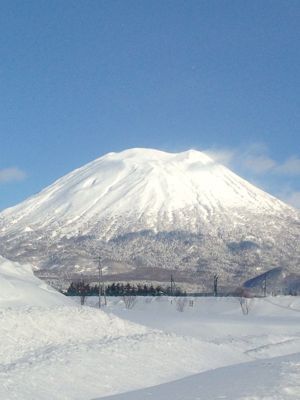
151	209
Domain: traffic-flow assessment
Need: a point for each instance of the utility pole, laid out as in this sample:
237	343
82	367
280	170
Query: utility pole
100	283
264	285
104	290
172	284
216	285
99	280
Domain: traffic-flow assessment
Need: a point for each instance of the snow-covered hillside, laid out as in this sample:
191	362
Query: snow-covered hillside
151	209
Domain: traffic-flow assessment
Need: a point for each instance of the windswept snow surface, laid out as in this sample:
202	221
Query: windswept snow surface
53	349
82	353
66	353
50	348
19	287
269	336
274	379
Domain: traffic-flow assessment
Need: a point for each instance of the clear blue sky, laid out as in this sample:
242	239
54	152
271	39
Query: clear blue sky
81	78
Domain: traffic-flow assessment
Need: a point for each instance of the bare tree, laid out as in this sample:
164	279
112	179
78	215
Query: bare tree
244	296
82	299
129	301
82	288
244	303
181	303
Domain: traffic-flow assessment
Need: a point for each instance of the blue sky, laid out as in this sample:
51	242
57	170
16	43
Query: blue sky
82	78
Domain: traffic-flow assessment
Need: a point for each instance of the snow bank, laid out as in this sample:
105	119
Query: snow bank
19	287
79	353
275	379
50	350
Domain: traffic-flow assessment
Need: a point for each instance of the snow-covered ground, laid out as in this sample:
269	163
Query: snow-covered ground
269	335
53	349
274	379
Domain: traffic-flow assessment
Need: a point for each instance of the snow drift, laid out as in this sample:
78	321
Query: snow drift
19	287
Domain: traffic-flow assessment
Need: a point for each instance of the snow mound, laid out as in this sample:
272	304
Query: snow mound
19	287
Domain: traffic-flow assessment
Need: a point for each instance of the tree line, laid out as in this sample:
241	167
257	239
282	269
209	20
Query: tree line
121	289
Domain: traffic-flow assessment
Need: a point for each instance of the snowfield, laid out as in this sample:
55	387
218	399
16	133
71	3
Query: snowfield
53	349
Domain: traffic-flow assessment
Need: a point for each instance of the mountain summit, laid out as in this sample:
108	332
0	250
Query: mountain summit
144	209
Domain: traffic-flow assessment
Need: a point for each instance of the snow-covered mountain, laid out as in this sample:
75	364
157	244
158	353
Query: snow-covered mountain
146	211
